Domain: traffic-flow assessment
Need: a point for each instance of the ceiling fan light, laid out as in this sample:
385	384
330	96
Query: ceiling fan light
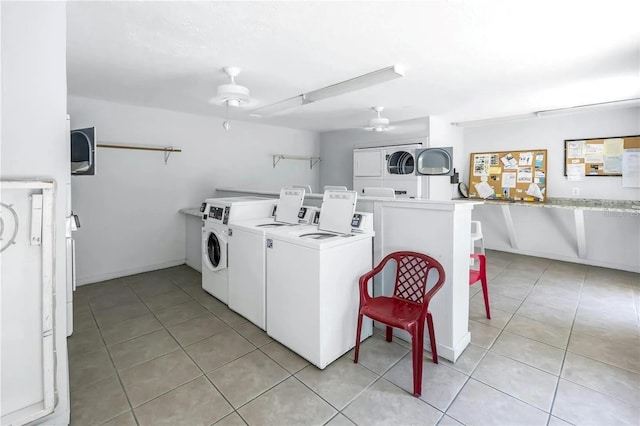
233	94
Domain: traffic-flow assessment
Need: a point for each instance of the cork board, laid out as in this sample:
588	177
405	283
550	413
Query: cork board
509	175
596	156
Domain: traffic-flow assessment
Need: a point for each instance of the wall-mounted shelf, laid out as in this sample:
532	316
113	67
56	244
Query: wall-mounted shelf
312	160
167	150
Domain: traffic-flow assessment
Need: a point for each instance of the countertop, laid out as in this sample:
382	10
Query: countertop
191	211
626	206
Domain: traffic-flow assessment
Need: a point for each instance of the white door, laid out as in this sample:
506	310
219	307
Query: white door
26	241
367	162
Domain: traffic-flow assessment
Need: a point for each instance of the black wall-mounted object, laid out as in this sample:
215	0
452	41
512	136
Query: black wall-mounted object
435	161
83	151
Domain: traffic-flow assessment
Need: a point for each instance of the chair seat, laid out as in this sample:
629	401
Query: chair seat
393	311
474	276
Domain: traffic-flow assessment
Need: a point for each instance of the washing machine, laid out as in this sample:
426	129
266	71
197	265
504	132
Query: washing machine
246	243
218	213
312	281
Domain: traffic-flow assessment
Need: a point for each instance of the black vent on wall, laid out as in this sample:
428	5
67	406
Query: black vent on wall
83	151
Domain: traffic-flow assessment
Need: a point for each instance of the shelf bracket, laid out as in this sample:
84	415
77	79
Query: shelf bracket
312	160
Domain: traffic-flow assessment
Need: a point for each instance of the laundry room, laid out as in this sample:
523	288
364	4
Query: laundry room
260	213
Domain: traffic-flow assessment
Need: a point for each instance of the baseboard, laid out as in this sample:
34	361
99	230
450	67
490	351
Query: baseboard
192	265
124	273
570	259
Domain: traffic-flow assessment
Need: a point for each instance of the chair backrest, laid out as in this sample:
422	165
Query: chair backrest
412	272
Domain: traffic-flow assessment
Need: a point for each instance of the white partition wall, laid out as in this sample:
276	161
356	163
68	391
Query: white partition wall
442	231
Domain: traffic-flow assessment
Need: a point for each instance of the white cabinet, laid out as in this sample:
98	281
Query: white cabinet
367	163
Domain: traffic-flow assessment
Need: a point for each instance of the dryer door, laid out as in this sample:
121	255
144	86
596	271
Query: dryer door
214	250
400	163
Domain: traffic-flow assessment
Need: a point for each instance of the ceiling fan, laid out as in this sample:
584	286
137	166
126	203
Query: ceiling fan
379	123
353	84
231	94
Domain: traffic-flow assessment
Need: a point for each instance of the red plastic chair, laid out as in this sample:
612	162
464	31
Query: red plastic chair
481	275
407	308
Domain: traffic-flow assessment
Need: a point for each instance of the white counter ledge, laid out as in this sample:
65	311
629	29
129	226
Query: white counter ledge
192	211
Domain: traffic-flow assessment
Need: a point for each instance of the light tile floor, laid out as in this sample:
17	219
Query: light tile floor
563	347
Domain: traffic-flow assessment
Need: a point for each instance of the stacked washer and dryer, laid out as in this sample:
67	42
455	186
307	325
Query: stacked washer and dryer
218	214
312	277
388	167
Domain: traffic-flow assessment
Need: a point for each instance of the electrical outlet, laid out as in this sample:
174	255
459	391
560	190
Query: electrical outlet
575	191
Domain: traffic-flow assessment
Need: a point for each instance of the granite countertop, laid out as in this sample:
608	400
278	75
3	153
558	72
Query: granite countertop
191	211
579	203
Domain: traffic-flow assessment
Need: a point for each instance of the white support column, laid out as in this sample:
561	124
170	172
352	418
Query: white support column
510	228
581	237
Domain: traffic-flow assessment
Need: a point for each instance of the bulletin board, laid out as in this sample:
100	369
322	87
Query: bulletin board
509	175
597	156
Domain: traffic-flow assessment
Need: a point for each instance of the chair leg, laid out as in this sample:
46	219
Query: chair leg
389	334
432	338
417	353
485	293
358	331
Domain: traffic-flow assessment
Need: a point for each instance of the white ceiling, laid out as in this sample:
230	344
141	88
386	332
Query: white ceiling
463	59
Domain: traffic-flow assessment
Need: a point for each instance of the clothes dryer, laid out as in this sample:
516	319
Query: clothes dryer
312	281
218	213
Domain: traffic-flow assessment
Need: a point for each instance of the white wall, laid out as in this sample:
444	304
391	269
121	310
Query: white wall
129	209
34	142
612	239
550	133
336	148
442	133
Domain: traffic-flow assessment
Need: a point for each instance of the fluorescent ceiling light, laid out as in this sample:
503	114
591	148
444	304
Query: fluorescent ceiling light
296	101
623	103
357	83
351	85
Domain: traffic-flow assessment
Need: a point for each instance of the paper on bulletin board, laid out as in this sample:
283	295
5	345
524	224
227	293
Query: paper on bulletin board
631	168
539	160
509	179
612	164
493	170
525	159
509	162
525	175
575	149
593	153
484	190
575	171
534	191
613	146
481	164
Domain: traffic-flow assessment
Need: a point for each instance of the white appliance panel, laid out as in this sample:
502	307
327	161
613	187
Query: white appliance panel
367	163
247	275
316	292
289	205
26	294
337	211
359	184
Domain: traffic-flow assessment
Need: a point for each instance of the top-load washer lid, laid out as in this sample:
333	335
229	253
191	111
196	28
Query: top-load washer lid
337	211
289	205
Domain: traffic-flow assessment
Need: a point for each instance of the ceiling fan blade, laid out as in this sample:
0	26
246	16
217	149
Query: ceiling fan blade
351	85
